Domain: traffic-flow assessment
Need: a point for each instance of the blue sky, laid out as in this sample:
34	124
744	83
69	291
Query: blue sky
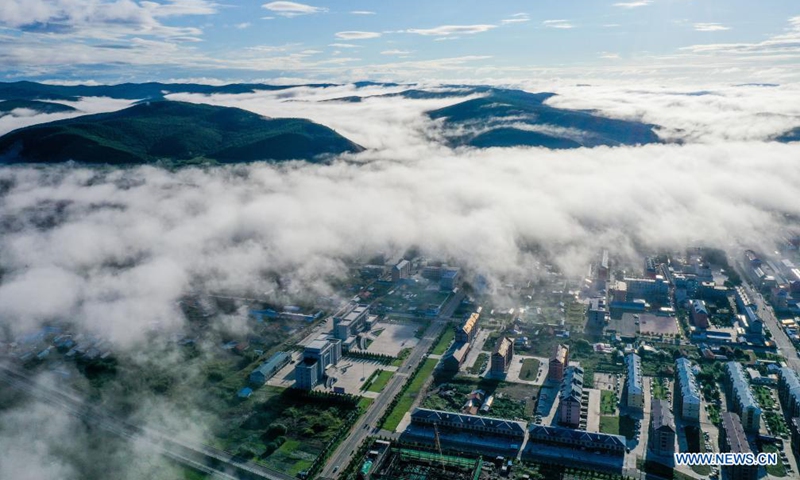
340	40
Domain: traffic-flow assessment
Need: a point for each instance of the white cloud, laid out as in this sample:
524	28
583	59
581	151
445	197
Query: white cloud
635	4
362	12
357	35
710	27
395	52
562	24
243	25
447	30
516	18
343	45
292	9
609	55
781	46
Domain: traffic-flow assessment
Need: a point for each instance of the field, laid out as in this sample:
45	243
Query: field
776	423
778	470
480	364
530	367
380	381
444	342
510	400
407	398
659	390
609	424
764	397
608	402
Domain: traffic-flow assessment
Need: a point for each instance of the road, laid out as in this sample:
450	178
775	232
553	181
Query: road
787	349
213	462
366	424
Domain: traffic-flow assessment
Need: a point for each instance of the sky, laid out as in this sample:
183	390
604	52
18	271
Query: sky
414	40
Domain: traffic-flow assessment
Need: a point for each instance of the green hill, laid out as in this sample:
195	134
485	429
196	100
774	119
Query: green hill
509	118
35	105
173	131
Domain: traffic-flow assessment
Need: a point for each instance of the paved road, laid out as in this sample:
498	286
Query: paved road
778	335
206	459
366	424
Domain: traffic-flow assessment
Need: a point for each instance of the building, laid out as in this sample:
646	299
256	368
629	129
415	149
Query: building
699	314
469	423
575	439
744	404
455	356
558	363
652	290
687	396
662	429
351	323
633	383
650	267
603	268
597	313
570	397
268	369
789	392
502	355
732	439
449	279
466	332
794	427
619	292
318	356
401	270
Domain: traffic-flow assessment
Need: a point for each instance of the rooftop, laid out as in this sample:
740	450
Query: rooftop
734	433
688	383
503	346
561	353
634	364
740	385
662	416
468	421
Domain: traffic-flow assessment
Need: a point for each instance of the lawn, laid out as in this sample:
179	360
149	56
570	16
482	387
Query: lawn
764	397
480	364
659	391
609	424
530	367
404	353
778	470
776	424
290	458
447	338
608	402
380	381
407	398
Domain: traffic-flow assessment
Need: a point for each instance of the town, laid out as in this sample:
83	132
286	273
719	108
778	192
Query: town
424	373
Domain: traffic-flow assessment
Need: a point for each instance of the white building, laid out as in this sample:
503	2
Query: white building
634	385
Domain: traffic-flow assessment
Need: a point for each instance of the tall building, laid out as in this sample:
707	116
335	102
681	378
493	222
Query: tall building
570	396
351	323
789	392
743	401
401	270
633	383
502	355
687	396
597	313
662	429
653	290
699	314
449	279
732	439
466	332
318	356
558	363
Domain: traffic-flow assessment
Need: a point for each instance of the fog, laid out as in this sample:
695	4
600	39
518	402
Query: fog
113	250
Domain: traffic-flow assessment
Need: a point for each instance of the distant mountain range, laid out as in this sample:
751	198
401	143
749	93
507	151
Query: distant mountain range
175	132
37	106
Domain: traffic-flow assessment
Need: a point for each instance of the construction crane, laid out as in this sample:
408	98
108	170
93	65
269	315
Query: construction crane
439	446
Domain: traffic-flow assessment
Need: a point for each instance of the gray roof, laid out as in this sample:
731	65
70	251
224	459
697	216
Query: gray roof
688	383
572	386
555	434
740	386
634	364
468	422
662	416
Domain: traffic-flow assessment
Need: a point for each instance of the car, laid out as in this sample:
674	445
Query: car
336	468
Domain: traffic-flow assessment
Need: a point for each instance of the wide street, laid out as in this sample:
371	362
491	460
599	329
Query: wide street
366	424
785	346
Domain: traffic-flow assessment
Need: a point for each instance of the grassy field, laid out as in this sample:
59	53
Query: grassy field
380	381
510	399
659	390
778	470
404	353
479	364
444	342
576	316
764	397
609	424
776	423
407	398
289	458
608	402
530	367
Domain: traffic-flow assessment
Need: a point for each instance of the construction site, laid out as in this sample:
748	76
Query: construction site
421	465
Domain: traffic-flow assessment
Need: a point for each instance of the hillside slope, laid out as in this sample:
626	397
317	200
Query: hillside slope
173	131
